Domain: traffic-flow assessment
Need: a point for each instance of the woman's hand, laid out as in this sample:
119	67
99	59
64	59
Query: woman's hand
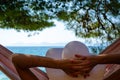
80	65
87	64
70	67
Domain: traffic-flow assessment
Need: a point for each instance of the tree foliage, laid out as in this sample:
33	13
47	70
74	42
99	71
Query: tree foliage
87	18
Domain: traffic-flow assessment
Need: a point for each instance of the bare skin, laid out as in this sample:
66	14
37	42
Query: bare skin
23	62
80	65
89	62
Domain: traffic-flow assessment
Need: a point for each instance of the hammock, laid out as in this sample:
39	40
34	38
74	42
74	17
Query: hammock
6	66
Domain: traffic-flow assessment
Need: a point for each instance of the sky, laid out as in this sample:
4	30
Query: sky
54	36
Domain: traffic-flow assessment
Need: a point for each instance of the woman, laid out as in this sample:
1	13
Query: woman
79	65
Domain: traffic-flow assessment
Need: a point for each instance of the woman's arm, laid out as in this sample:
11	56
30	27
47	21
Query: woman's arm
90	62
106	59
27	61
23	62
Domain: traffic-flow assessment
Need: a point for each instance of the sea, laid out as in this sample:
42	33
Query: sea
33	50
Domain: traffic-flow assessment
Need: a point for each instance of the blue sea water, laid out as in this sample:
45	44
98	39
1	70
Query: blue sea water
34	50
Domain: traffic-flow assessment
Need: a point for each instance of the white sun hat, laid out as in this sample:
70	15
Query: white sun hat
68	52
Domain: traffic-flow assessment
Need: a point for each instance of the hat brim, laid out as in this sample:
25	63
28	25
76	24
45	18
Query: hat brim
68	52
